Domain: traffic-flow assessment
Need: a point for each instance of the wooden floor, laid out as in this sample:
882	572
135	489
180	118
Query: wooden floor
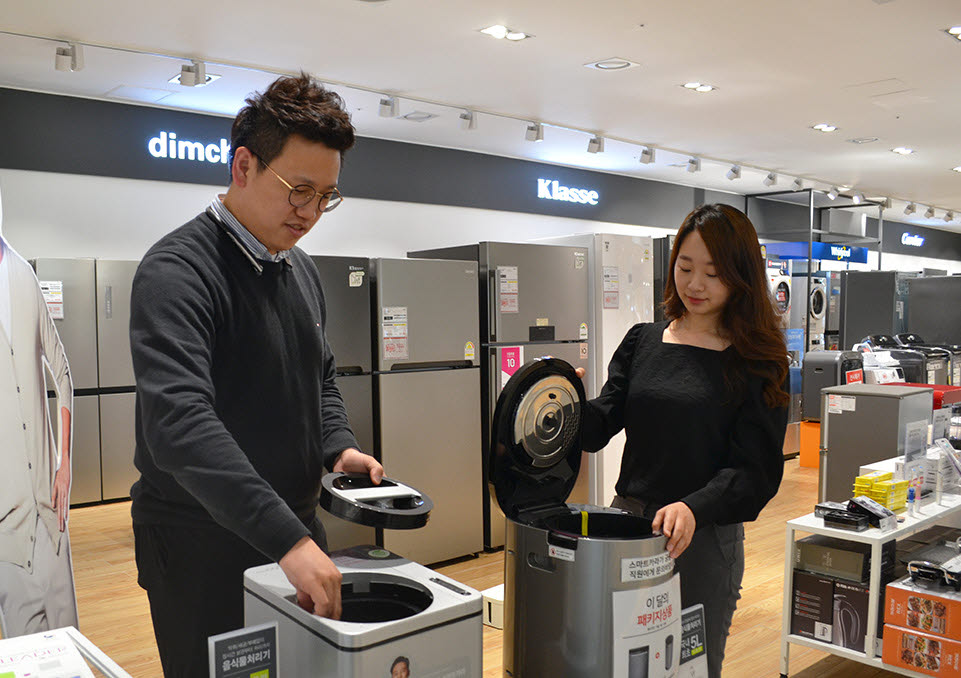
115	616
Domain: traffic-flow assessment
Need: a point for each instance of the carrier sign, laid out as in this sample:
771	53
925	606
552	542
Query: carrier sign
552	190
911	240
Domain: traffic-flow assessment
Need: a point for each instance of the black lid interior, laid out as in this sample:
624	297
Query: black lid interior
391	505
535	450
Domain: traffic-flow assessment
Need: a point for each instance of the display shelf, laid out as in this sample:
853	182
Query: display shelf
928	514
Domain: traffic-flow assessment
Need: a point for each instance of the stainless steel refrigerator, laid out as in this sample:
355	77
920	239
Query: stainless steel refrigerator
534	301
935	311
347	291
427	394
872	302
94	329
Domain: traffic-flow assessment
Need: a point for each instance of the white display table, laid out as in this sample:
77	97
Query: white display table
56	653
928	514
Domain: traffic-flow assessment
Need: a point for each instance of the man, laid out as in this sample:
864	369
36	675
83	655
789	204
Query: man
237	409
36	577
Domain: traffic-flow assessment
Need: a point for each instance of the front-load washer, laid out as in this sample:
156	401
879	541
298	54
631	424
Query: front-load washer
394	611
588	591
780	285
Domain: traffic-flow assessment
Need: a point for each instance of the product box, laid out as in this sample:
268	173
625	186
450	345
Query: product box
812	606
494	606
850	614
839	558
921	652
930	607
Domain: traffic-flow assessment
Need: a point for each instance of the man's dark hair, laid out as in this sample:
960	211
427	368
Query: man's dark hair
291	105
401	660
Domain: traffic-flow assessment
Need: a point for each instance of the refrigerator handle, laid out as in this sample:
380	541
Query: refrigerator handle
108	302
493	306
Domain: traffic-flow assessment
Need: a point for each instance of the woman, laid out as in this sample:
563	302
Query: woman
701	400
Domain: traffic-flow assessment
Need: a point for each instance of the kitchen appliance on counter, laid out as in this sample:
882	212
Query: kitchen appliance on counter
936	363
534	301
822	369
589	591
393	608
912	340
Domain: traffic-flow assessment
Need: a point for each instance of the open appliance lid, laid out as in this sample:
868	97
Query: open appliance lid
391	505
535	450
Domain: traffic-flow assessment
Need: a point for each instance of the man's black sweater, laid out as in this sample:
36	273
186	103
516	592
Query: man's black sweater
237	410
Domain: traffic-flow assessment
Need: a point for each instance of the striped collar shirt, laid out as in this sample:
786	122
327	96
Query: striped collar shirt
253	246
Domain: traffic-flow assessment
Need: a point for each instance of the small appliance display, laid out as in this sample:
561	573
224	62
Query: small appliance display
937	363
822	369
393	609
912	340
589	591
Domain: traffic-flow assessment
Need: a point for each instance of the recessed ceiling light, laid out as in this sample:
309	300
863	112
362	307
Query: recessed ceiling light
210	78
612	64
699	86
418	116
516	35
825	127
902	150
863	140
957	169
954	32
501	32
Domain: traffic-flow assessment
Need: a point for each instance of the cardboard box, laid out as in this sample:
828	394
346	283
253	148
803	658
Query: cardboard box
840	559
921	652
929	607
850	614
494	606
813	606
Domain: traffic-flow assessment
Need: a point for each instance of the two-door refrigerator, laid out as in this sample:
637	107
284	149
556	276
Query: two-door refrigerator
427	394
533	302
347	293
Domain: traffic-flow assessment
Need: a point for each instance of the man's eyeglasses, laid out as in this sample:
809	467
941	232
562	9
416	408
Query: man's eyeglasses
302	195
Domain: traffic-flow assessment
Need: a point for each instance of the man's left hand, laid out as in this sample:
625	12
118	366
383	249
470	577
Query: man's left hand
353	460
61	494
676	522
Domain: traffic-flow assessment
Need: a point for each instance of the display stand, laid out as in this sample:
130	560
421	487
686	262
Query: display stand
90	653
928	515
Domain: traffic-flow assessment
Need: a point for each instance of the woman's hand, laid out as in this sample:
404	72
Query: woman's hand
676	522
580	372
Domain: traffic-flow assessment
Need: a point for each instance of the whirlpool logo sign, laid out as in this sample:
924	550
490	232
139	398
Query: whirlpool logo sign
550	189
840	252
167	145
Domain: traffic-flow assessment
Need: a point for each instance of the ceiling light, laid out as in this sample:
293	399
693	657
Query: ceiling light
692	85
693	165
954	32
798	185
496	31
194	75
825	127
596	144
535	132
863	140
418	116
516	35
949	216
387	107
929	214
887	203
957	169
734	172
770	179
833	193
612	64
699	87
69	58
647	155
902	150
911	208
857	198
468	120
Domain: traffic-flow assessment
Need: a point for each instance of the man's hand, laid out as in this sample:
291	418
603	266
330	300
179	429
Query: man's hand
315	577
676	522
353	460
61	494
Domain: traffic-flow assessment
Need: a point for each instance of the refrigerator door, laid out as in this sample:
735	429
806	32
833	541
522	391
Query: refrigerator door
77	328
536	292
114	282
503	362
429	433
427	313
85	452
117	444
346	282
935	310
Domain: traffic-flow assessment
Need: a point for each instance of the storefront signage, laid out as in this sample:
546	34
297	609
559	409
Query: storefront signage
840	252
548	189
167	145
911	240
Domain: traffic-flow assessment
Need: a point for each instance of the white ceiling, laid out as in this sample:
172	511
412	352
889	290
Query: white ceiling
874	68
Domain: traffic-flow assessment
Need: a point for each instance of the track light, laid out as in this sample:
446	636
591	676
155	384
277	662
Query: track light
69	58
949	216
833	193
596	144
388	107
468	120
857	198
911	208
734	172
194	75
647	155
770	179
535	132
929	214
693	165
798	185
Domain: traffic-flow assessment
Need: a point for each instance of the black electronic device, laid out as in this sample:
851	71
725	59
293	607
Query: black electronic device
391	505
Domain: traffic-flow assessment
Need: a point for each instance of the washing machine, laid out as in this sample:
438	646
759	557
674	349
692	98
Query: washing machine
395	611
589	591
816	307
780	285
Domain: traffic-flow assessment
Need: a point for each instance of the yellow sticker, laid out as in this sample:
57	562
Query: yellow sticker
469	351
543	322
583	523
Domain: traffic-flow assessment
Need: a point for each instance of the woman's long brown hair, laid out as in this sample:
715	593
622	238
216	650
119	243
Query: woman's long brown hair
748	318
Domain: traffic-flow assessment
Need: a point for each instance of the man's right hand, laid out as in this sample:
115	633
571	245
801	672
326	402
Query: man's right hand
315	577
